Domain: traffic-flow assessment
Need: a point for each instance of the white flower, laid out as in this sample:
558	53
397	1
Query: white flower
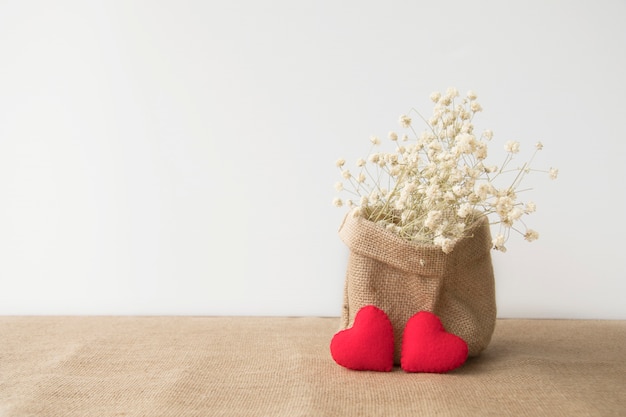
446	244
467	127
435	96
512	146
432	219
452	92
482	191
464	210
503	206
531	235
427	189
498	243
553	173
480	150
530	207
514	214
391	158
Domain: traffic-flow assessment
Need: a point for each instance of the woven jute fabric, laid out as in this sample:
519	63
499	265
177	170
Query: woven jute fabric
403	278
282	367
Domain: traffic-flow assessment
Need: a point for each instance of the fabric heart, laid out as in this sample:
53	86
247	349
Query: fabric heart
368	344
427	347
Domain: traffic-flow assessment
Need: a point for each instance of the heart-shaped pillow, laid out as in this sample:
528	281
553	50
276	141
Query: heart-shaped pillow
368	344
427	347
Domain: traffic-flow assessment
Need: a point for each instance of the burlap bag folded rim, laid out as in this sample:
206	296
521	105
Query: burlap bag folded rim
412	257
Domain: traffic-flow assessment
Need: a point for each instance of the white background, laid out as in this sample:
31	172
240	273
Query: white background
176	157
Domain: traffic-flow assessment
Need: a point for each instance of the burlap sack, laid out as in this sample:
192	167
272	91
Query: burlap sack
403	278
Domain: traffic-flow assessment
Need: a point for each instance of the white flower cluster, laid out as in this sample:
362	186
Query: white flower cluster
433	187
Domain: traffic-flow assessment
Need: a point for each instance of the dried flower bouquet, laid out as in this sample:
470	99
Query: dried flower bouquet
437	184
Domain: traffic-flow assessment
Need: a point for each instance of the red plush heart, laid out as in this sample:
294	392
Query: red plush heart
368	344
427	347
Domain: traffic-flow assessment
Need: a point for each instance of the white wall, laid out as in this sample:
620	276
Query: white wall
170	157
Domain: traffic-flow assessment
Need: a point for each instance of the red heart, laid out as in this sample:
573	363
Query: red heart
427	347
368	344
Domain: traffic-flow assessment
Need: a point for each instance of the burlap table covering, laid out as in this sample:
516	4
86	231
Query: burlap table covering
281	367
403	278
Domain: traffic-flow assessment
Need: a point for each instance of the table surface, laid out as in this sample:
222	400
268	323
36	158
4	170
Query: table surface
281	366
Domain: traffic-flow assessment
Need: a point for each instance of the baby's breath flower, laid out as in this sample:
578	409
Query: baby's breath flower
514	214
432	190
464	210
465	143
531	235
467	127
464	116
512	146
480	150
432	219
446	244
553	173
498	243
475	107
452	92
